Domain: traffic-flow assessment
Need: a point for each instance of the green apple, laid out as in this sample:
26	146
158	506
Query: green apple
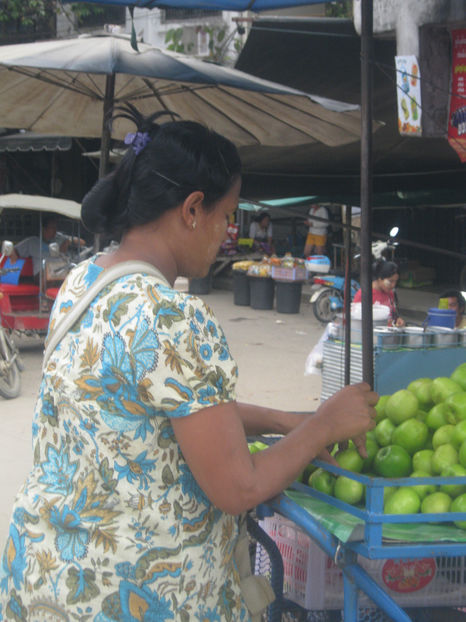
257	446
443	435
323	481
456	403
380	408
462	454
444	456
459	505
454	490
422	390
387	492
459	435
423	489
401	405
349	459
422	461
348	490
412	434
405	500
392	461
459	375
307	472
383	432
437	416
371	448
442	387
436	503
421	415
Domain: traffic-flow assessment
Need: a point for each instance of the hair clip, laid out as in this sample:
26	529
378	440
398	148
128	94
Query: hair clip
137	140
172	181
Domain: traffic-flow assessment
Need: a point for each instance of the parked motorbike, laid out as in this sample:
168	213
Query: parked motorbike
11	364
328	298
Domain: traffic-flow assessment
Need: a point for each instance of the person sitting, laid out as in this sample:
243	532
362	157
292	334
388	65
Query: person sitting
316	240
456	302
37	249
261	232
385	277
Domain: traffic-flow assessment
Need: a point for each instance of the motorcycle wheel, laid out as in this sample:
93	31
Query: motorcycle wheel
10	377
322	306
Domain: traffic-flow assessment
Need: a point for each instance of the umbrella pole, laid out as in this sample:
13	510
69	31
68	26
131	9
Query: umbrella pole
366	191
106	135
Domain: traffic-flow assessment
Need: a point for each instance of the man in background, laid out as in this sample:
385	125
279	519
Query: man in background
456	302
317	222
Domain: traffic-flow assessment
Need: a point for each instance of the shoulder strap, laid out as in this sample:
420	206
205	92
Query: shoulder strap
106	277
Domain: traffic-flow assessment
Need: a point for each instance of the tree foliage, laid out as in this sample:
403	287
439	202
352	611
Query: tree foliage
339	8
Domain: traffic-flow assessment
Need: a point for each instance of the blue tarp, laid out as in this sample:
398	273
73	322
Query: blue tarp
210	5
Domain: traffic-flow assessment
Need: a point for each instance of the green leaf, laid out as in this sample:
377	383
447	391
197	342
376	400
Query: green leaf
81	585
167	476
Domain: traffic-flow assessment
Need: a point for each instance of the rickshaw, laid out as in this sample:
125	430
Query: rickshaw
25	304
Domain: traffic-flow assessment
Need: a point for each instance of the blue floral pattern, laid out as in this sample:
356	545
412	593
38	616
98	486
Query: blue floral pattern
111	524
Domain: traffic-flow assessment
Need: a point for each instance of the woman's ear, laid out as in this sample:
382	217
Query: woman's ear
191	208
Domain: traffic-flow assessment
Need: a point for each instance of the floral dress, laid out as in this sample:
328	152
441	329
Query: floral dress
110	525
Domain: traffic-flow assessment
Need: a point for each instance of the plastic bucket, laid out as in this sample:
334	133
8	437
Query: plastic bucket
441	317
200	286
241	289
288	296
262	292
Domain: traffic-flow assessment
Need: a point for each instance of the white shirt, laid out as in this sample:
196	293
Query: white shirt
32	247
317	227
257	233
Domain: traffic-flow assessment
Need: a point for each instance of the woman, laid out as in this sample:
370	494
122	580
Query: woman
385	277
141	463
260	231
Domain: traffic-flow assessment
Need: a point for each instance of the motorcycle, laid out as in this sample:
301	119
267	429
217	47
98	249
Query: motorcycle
328	299
25	305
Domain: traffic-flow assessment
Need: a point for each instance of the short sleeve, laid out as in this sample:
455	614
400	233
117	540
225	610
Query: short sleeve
195	368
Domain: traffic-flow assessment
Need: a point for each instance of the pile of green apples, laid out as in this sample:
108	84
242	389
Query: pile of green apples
420	432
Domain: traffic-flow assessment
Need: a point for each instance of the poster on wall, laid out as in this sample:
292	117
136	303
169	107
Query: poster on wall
457	116
408	89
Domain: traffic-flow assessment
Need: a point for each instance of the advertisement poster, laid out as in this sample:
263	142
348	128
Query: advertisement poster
408	89
457	116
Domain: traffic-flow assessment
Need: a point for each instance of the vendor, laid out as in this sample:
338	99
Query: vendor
317	221
456	302
260	231
385	277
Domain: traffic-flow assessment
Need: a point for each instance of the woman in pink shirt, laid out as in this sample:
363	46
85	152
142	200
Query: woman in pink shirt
385	277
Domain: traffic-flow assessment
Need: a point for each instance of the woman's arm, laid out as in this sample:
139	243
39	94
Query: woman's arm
213	442
260	420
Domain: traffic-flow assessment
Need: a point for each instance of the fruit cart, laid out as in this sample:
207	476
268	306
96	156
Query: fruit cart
387	561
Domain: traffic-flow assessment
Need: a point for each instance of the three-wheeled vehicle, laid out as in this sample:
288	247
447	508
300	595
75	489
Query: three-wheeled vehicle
25	300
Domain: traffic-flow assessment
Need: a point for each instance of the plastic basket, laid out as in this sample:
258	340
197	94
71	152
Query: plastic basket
314	582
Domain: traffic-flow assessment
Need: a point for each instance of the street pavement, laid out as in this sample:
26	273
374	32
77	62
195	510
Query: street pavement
270	348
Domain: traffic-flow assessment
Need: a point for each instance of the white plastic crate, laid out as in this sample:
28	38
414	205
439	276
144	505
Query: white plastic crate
312	580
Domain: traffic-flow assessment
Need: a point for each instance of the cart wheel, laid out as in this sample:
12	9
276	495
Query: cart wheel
322	306
10	378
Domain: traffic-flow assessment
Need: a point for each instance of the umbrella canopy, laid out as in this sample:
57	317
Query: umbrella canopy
67	86
220	5
39	203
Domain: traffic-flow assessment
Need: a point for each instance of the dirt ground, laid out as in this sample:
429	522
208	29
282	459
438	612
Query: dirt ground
269	347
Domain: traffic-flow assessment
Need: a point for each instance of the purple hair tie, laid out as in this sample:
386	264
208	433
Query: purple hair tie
137	140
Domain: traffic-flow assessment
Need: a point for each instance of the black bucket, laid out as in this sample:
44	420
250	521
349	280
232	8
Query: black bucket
200	286
241	289
262	292
288	296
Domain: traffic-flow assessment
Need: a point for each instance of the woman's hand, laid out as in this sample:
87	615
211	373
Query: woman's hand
213	443
350	413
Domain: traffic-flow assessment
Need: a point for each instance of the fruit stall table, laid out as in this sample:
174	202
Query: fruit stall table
387	561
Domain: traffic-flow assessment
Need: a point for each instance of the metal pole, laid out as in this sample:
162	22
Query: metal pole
347	313
366	190
106	135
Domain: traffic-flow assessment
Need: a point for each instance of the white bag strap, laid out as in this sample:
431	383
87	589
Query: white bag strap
106	277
